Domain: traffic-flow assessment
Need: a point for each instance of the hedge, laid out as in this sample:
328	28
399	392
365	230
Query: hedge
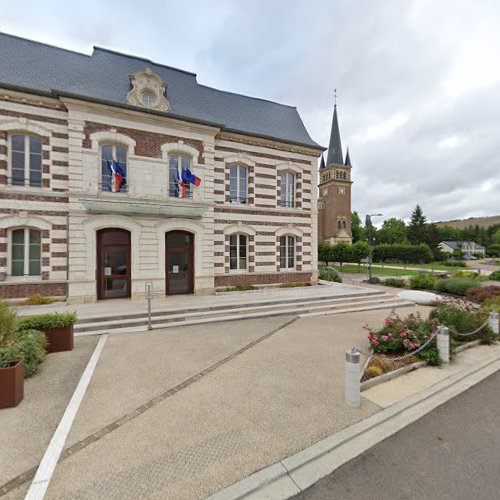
44	322
30	346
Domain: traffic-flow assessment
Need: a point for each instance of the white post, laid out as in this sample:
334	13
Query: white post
443	343
493	322
352	378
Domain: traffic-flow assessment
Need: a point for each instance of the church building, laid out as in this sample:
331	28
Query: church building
334	203
117	172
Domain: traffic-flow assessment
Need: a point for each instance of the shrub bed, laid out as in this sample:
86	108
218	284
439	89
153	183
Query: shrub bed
398	283
329	274
29	344
479	295
456	286
400	336
495	276
462	318
423	281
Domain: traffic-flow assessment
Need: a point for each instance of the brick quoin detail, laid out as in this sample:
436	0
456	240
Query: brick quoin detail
262	279
19	291
147	143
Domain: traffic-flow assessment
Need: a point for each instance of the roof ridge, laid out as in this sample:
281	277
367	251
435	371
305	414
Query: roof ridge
36	42
247	96
145	59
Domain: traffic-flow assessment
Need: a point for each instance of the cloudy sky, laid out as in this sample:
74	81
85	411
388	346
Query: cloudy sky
418	80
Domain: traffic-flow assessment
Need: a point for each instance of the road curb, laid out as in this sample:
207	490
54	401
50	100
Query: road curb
297	472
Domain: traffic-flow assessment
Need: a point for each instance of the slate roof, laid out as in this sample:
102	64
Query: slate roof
104	77
335	147
460	244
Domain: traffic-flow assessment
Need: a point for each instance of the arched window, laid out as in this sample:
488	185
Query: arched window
26	245
287	252
287	189
176	165
238	184
26	160
113	168
339	224
344	224
344	175
238	259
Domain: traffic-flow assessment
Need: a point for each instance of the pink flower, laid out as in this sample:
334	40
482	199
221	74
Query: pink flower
375	343
388	321
385	338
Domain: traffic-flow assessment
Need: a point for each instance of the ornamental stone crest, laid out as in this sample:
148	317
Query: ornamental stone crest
148	91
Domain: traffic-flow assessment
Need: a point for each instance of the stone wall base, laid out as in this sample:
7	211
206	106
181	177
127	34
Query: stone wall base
25	290
261	279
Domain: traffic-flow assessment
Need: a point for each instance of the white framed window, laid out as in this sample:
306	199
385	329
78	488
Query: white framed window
287	189
26	160
238	183
26	252
148	99
287	252
238	252
176	165
113	157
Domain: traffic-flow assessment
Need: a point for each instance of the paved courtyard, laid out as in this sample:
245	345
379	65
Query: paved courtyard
183	412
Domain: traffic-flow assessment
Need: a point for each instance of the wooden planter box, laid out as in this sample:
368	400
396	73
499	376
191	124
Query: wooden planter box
60	339
11	385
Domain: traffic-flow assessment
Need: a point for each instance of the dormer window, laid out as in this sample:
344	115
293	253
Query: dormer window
148	91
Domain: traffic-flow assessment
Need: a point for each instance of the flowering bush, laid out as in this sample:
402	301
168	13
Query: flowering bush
401	335
479	295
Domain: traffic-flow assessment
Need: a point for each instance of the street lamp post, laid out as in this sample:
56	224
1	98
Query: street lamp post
369	238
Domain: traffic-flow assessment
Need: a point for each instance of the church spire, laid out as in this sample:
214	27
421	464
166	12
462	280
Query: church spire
322	162
347	162
335	147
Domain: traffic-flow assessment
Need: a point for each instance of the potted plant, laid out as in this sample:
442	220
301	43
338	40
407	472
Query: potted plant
58	328
21	352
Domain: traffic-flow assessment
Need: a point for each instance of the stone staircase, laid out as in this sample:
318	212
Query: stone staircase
297	306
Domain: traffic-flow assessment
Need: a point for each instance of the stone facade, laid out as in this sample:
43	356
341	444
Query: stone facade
69	207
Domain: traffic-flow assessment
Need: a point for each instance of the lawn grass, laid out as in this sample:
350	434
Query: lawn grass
376	269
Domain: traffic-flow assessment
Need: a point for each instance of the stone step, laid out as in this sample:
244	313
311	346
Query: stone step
169	316
172	310
389	302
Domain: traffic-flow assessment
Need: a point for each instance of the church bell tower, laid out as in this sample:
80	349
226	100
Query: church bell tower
334	203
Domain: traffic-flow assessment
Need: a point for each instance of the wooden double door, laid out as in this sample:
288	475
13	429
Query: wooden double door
114	263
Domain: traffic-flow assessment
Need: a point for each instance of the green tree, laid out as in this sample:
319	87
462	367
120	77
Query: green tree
359	250
324	250
448	233
341	252
416	229
495	237
358	232
392	231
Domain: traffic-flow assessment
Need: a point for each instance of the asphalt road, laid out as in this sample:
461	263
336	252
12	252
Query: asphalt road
451	453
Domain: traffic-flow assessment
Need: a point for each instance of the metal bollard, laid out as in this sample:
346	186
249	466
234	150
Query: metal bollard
443	343
493	322
352	378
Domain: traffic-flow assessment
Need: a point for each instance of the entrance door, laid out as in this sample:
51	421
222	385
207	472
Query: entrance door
179	262
113	264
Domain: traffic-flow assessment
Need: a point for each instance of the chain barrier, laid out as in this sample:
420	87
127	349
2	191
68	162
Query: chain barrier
410	354
475	331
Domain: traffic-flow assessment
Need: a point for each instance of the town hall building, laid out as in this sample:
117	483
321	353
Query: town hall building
116	171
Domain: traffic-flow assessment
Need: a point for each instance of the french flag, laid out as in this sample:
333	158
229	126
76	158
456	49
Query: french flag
117	176
180	190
